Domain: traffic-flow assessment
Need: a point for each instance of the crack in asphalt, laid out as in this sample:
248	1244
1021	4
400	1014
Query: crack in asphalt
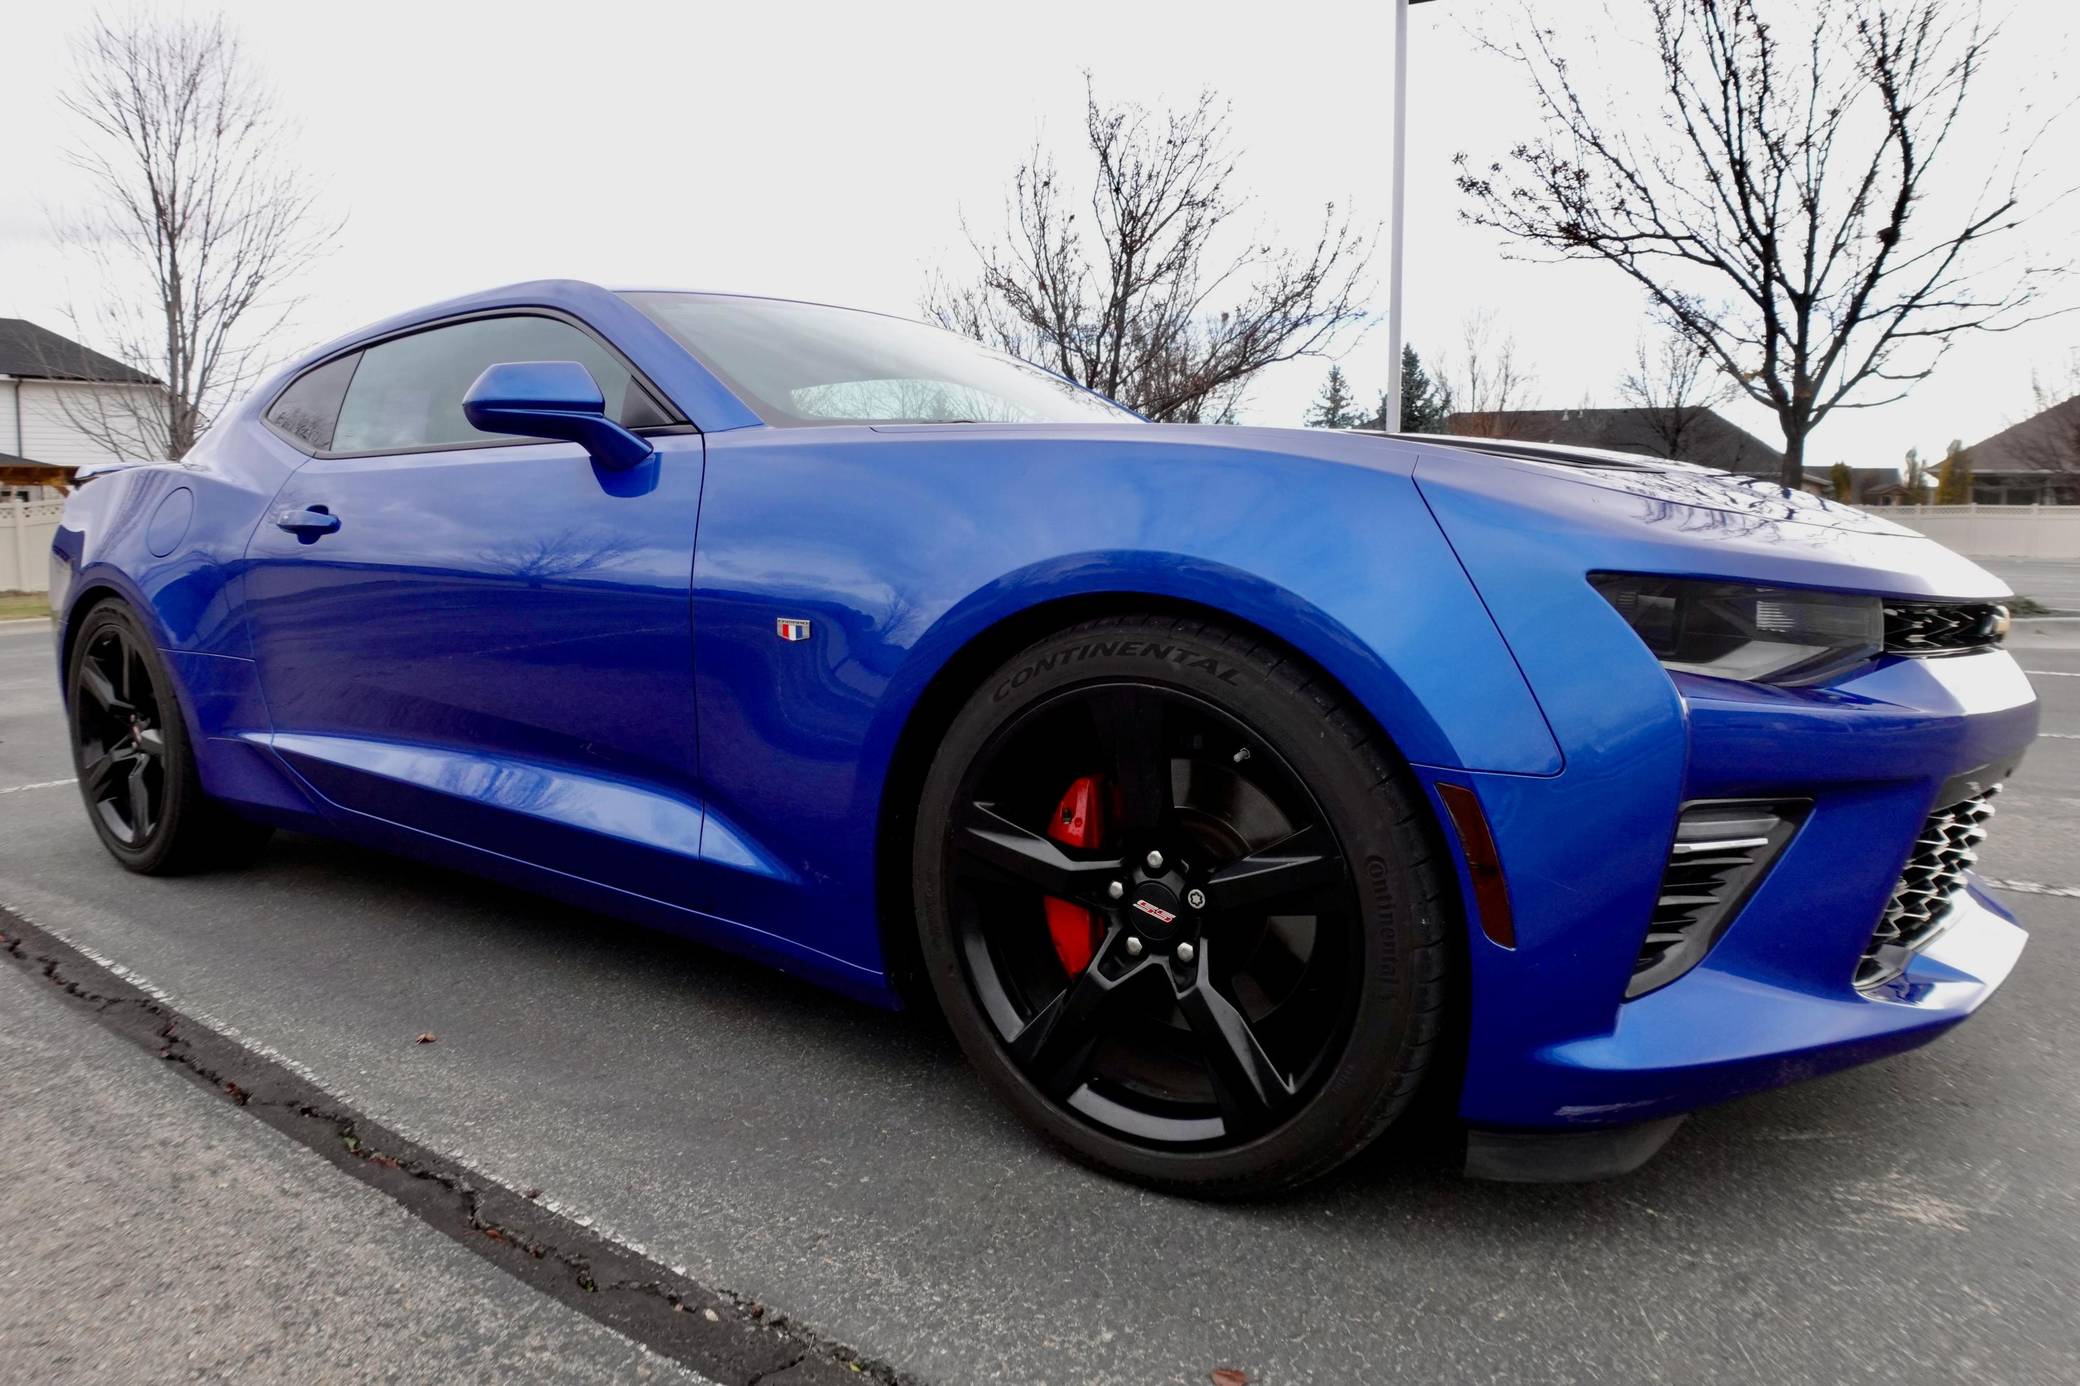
729	1337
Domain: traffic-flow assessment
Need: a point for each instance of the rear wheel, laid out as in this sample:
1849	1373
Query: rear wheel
130	748
1179	906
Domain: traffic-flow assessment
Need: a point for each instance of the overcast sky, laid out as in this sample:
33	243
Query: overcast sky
830	152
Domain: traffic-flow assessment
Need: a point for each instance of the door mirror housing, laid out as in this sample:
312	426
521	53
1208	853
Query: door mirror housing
553	399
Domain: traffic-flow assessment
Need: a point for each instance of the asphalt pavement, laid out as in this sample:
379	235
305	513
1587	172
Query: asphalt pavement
155	1235
2050	583
1917	1220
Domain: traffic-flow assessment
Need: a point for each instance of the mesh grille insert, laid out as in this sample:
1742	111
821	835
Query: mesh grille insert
1920	906
1722	849
1937	628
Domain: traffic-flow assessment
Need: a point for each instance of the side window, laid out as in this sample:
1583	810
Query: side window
408	391
310	406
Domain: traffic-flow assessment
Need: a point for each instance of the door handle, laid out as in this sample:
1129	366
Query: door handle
308	524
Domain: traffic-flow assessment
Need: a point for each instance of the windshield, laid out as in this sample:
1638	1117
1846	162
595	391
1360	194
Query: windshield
806	363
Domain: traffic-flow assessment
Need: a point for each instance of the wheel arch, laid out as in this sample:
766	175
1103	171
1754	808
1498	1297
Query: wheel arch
955	680
90	592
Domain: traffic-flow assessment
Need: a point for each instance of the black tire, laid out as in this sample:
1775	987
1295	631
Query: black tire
1239	723
131	751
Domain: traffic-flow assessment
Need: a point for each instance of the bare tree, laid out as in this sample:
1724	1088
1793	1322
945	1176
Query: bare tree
1673	386
196	221
1146	289
1779	199
1484	381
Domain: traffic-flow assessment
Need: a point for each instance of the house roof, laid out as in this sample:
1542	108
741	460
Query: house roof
1710	441
17	469
37	353
2044	442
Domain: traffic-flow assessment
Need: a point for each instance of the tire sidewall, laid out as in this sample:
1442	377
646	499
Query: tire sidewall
1366	1086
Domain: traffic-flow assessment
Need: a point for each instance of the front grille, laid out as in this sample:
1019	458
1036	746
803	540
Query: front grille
1721	850
1928	889
1940	628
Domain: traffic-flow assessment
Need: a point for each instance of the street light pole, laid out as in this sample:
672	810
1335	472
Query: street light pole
1400	187
1399	179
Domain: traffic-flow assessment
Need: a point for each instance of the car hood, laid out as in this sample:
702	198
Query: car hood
1660	481
1615	512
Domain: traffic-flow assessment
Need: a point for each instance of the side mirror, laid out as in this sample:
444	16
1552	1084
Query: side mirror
552	399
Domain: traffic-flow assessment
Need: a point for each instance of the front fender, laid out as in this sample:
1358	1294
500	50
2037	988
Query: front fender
901	551
1446	696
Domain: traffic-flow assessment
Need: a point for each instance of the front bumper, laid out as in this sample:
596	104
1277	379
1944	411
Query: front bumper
1717	1034
1552	1043
1726	1035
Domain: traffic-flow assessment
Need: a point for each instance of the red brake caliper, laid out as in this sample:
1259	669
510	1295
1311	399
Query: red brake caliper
1079	822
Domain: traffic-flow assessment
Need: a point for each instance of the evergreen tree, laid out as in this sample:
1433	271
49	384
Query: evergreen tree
1336	406
1842	481
1425	402
1954	475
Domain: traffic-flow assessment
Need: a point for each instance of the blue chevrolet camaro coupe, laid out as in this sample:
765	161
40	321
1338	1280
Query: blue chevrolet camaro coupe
1227	789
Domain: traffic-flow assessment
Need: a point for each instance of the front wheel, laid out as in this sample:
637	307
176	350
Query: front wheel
1180	906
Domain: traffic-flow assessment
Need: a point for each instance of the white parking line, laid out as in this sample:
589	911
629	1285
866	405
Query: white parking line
2034	888
40	784
2051	674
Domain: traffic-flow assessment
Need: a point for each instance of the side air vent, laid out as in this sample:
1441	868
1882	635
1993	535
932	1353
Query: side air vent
1942	628
1723	848
1921	902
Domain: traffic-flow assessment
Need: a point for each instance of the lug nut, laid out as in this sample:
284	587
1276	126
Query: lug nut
1115	890
1133	946
1196	899
1185	952
1155	861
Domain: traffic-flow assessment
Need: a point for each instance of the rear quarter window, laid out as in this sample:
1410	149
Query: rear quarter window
309	408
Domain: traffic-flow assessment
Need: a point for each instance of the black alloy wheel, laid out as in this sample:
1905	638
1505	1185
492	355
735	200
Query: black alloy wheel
1247	1008
121	742
130	749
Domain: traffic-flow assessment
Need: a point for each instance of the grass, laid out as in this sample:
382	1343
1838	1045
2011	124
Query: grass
2017	606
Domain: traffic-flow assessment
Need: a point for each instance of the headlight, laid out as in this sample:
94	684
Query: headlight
1732	630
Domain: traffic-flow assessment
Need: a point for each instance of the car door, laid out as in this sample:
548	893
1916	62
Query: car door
476	637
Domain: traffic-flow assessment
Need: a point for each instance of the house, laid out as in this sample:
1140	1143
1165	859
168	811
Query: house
2035	462
1691	435
63	406
1876	487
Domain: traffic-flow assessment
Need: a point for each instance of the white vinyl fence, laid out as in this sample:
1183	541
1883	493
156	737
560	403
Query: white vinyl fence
26	528
1997	531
